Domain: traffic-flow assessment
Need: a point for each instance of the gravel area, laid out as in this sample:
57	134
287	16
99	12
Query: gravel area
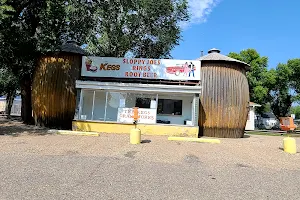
36	165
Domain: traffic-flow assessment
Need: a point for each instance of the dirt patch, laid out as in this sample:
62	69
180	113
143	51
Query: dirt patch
15	127
130	154
191	159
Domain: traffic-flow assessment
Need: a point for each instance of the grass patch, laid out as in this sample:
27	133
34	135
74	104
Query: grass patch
272	134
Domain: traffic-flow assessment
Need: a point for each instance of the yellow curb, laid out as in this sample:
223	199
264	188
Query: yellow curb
187	139
78	133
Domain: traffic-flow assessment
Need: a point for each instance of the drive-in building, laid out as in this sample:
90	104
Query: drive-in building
165	91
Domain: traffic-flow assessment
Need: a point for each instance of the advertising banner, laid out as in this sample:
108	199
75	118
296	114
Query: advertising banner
166	69
146	115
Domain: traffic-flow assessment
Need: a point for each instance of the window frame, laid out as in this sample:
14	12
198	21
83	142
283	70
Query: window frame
80	104
170	114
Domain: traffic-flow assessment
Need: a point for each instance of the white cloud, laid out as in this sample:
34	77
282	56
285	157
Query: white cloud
199	10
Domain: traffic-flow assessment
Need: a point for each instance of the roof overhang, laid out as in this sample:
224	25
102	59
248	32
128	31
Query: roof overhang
136	87
252	104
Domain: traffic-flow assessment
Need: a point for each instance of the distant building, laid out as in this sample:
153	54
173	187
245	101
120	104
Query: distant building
16	107
250	126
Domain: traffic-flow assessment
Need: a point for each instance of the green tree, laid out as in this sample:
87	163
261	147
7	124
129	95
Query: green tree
146	28
5	9
294	66
282	98
36	27
296	110
261	80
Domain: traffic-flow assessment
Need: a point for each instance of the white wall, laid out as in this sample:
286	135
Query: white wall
250	126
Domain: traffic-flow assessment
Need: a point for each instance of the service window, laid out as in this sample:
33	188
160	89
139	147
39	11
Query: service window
143	102
169	107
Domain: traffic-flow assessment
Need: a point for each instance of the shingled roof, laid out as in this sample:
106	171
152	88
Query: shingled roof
214	55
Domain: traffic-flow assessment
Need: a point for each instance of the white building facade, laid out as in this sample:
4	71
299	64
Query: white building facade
165	91
250	125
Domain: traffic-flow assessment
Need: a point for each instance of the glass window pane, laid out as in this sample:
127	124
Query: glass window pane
140	100
87	104
147	108
99	105
113	103
175	109
116	100
170	107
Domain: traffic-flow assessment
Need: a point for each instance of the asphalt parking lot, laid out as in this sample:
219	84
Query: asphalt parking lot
35	165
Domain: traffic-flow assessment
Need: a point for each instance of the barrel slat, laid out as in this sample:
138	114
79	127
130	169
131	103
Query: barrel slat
224	100
53	90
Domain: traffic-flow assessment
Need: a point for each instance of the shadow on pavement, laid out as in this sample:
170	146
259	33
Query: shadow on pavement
146	141
15	127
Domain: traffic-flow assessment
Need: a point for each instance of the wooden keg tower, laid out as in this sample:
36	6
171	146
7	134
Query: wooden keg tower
224	100
53	88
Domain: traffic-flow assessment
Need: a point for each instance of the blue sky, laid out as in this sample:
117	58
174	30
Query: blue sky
272	27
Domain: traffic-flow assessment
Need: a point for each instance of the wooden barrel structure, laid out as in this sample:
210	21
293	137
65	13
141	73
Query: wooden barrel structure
53	87
224	99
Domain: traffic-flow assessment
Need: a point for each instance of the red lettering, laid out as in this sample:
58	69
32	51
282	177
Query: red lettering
141	68
134	74
150	75
154	62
